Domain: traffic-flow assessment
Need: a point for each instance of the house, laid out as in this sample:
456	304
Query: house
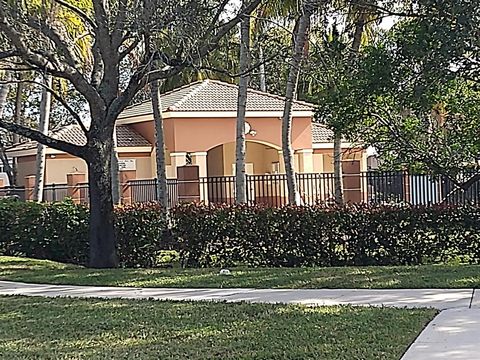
200	129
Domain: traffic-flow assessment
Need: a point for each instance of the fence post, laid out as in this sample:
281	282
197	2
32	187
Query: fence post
125	177
73	188
29	186
352	190
188	183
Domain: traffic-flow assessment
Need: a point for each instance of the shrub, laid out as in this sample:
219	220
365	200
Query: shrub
47	231
321	236
203	236
141	235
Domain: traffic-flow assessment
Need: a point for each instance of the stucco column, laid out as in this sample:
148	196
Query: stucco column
125	177
305	161
281	162
73	180
29	186
1	183
178	159
200	159
352	189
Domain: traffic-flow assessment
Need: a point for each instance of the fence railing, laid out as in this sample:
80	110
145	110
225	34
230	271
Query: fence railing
271	190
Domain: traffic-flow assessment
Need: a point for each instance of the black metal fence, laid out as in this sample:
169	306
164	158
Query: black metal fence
271	190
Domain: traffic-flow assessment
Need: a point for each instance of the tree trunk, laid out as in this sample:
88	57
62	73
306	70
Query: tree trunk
337	144
4	88
300	38
240	175
162	196
102	233
337	168
17	115
43	125
116	196
262	70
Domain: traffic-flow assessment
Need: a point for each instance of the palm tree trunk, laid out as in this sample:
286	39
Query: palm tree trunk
4	88
43	126
115	170
337	167
240	175
161	188
17	115
302	26
337	144
262	70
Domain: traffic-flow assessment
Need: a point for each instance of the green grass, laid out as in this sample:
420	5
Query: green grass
40	328
434	276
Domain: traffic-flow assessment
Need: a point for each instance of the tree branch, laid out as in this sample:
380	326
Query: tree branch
80	13
57	97
46	140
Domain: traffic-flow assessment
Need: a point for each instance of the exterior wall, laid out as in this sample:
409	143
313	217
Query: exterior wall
203	134
143	162
57	168
215	162
348	154
25	167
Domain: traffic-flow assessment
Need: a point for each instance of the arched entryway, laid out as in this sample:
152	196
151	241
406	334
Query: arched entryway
261	158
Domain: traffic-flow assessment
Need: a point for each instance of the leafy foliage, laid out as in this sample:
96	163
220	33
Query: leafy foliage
208	236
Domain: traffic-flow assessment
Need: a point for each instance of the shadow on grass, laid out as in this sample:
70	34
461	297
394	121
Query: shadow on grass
98	329
434	276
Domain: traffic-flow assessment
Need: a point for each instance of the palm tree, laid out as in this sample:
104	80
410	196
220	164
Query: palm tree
4	89
161	187
43	125
361	17
302	27
240	175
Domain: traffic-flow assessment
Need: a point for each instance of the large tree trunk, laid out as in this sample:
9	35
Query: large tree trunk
116	196
337	168
162	196
102	234
43	126
300	38
240	175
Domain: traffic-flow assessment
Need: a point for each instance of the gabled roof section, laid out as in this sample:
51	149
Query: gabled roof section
321	134
126	137
213	96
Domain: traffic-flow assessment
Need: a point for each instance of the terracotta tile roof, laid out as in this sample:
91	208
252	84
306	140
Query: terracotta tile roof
211	96
321	134
126	137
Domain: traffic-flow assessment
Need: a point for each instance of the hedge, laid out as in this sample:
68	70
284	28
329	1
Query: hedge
205	236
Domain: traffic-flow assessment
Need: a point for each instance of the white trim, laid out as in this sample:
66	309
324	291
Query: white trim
211	114
178	153
134	149
304	151
330	145
50	151
199	153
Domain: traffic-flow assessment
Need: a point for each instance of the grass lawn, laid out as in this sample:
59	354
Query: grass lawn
39	328
434	276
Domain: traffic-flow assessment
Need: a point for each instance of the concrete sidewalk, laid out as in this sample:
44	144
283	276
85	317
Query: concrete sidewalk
434	298
453	335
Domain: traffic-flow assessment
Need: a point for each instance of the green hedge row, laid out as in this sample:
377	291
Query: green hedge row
59	232
319	236
254	236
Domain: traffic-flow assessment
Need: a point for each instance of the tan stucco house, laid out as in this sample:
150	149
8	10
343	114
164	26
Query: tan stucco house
199	126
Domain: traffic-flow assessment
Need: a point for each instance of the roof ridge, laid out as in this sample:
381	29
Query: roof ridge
259	92
195	90
168	92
